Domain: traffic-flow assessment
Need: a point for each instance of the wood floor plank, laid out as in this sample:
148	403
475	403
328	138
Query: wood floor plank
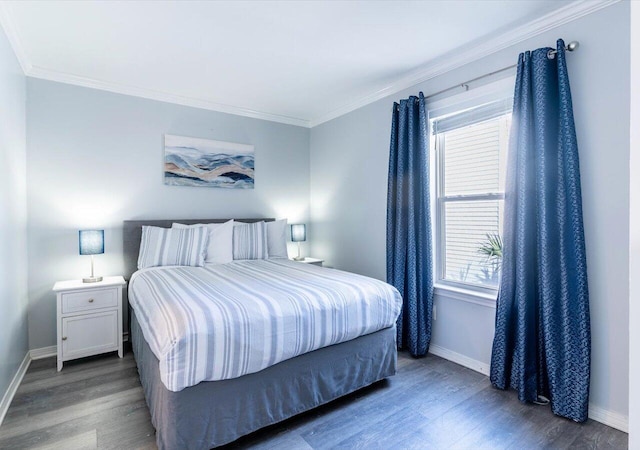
282	441
61	395
41	368
408	428
342	422
503	429
431	403
130	430
39	364
50	378
45	432
597	436
82	441
65	414
436	397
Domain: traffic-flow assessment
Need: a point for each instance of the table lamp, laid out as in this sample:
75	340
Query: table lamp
91	242
298	234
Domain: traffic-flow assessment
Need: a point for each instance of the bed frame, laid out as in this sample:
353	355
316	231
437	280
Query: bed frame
214	413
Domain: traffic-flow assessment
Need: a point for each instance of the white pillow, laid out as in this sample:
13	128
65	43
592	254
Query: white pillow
250	241
277	239
220	246
172	247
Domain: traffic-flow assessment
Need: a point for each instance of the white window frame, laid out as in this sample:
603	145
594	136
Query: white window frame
491	92
441	201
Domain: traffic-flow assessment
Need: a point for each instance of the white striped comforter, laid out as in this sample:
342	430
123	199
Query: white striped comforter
224	321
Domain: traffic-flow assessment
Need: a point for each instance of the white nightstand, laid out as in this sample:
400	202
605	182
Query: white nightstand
314	261
89	318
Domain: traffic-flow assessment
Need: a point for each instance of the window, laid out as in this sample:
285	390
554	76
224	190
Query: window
471	150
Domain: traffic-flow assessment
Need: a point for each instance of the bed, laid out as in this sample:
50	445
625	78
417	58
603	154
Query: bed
192	412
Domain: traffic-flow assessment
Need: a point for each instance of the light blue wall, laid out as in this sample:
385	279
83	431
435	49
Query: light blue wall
349	157
96	159
13	216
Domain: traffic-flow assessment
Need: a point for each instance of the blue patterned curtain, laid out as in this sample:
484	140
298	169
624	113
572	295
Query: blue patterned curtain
542	345
409	266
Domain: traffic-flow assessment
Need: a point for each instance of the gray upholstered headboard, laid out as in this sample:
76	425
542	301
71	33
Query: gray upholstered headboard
132	233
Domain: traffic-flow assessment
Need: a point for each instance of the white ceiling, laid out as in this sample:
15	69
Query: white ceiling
293	62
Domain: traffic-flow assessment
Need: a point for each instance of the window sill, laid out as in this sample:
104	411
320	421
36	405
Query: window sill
466	295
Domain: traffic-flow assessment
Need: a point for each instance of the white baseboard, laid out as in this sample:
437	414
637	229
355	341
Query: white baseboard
13	386
609	418
459	358
44	352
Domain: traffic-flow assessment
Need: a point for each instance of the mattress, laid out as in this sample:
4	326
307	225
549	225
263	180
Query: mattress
224	321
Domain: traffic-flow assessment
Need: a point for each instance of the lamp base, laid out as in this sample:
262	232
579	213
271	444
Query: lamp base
91	279
298	258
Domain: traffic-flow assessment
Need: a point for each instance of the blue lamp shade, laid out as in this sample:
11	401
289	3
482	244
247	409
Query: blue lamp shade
298	232
91	242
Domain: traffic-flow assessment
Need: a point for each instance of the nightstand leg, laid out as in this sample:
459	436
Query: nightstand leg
59	364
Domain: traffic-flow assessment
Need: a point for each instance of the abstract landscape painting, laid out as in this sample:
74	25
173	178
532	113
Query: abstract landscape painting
202	162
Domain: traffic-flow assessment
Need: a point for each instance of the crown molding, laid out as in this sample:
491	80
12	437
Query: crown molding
565	14
10	29
8	24
454	60
61	77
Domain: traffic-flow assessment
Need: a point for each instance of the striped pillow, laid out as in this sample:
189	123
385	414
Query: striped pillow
250	241
220	246
172	247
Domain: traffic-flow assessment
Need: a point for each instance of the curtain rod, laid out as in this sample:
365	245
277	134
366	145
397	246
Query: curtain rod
572	46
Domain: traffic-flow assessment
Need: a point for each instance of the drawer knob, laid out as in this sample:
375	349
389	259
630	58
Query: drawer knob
90	300
64	338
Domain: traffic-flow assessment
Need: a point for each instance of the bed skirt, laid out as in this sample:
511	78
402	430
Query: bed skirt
214	413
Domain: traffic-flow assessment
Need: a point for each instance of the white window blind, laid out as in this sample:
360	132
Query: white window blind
471	150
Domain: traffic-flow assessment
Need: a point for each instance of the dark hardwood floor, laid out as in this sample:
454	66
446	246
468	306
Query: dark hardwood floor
430	404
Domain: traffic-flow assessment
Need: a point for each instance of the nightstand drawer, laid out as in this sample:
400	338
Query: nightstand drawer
88	300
